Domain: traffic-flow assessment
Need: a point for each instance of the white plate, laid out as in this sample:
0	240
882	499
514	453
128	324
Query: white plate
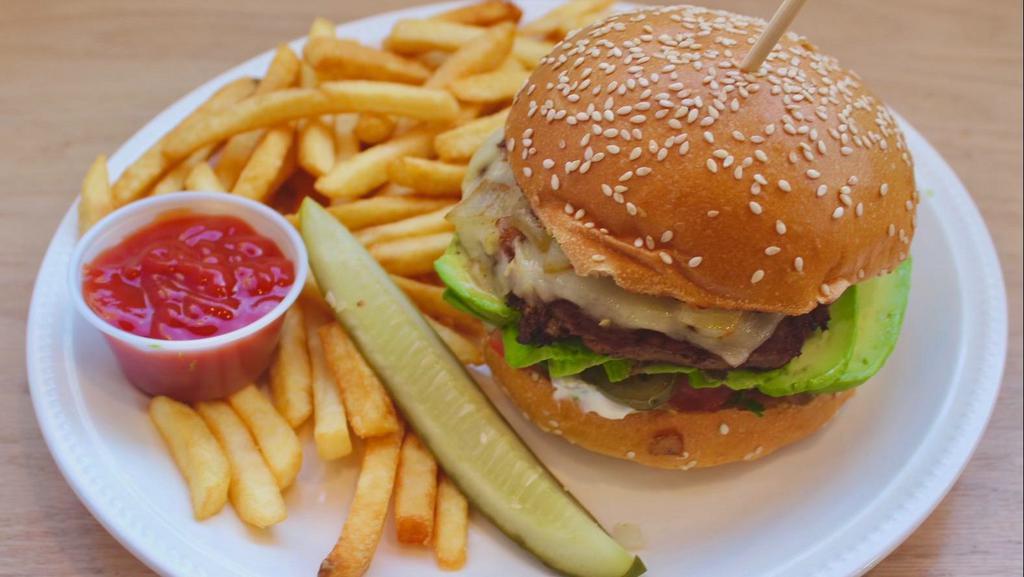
833	505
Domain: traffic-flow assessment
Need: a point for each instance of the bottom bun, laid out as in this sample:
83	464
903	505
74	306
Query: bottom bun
666	438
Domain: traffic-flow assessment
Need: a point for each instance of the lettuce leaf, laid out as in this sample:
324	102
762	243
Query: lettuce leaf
564	358
571	357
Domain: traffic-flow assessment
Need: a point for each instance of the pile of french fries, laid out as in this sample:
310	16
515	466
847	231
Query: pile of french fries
382	136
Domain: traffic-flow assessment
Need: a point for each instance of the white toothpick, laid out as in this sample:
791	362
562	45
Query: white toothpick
781	20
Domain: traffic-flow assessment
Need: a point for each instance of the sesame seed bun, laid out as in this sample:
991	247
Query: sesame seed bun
664	438
652	159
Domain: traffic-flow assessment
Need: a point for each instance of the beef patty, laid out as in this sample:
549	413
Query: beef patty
541	323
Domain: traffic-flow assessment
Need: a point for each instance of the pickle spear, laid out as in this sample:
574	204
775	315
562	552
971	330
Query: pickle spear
494	469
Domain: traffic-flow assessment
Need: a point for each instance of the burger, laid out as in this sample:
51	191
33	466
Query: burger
685	264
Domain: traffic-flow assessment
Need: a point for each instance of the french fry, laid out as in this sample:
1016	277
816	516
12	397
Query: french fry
529	51
484	13
413	102
139	176
578	21
415	492
565	13
321	27
451	526
316	147
411	256
316	134
97	200
346	144
202	177
420	225
253	490
432	59
383	209
290	104
358	175
460	143
417	36
174	180
330	423
195	450
283	72
364	526
374	128
465	350
336	58
235	154
291	381
369	408
499	85
275	438
268	164
483	53
430	300
395	189
428	177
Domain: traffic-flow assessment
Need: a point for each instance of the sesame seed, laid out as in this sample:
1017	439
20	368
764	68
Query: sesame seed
838	212
709	137
712	165
597	258
712	213
780	227
822	190
723	429
666	236
548	163
760	155
755	208
772	250
812	174
757	276
554	182
798	264
631	208
826	290
884	189
569	208
665	257
527	171
643	171
695	261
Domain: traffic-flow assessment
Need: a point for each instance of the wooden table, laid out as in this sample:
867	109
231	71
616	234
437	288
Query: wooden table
78	78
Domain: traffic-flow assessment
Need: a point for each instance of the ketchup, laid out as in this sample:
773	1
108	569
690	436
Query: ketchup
188	276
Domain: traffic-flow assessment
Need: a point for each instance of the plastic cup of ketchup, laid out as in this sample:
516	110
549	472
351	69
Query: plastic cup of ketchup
190	290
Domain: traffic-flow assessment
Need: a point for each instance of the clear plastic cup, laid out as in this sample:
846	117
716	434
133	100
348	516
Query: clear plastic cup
199	369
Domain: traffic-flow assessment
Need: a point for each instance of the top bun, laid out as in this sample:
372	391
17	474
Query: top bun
653	159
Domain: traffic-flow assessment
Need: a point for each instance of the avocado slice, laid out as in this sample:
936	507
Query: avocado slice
465	292
881	304
822	361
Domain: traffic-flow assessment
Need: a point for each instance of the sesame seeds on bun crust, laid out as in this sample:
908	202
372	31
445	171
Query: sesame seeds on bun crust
653	159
